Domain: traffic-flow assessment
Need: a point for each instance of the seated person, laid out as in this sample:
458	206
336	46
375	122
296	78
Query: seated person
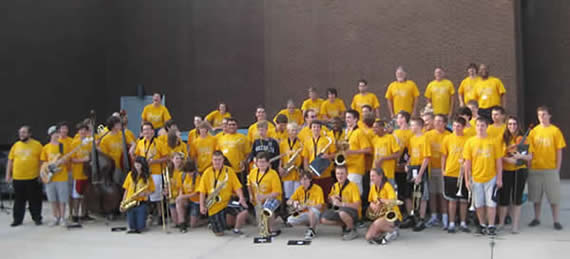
383	228
307	203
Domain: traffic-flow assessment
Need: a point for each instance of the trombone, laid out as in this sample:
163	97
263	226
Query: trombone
460	179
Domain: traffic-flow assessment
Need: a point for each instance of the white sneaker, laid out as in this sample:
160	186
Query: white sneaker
310	234
392	236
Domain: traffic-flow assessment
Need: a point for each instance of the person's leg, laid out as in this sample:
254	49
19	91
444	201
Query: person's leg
313	219
141	217
174	215
552	189
452	209
240	219
64	194
463	212
34	190
20	196
346	219
373	230
516	218
131	219
535	192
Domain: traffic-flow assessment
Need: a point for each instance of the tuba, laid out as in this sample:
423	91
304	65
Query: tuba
132	202
385	211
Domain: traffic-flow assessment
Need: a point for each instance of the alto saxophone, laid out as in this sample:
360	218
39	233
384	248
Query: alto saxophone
132	202
214	197
290	165
386	211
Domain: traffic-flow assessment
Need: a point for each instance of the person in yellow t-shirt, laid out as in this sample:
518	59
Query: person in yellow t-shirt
483	166
319	145
381	191
346	202
468	129
305	132
78	160
497	129
419	150
281	122
363	97
156	113
289	166
112	145
184	184
307	202
139	178
22	170
333	106
235	147
466	91
402	94
252	133
203	147
546	144
313	102
451	165
489	92
474	107
174	144
403	135
193	133
439	93
436	202
222	178
57	190
386	150
358	146
367	128
291	112
264	185
215	117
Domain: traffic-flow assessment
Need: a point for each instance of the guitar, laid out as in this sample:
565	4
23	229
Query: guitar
49	169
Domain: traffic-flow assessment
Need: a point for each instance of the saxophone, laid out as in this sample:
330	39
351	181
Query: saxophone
290	165
386	211
132	202
214	196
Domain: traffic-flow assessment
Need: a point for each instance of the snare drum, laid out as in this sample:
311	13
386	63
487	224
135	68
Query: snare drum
270	206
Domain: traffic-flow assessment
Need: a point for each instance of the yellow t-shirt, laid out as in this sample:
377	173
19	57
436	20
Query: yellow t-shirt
418	149
235	147
385	146
313	197
315	105
544	142
495	131
440	94
350	194
452	148
281	135
215	118
192	134
483	153
402	95
306	133
82	152
112	145
435	138
151	150
181	147
469	131
333	109
189	184
312	147
403	137
156	115
131	187
386	193
26	159
473	122
467	88
211	178
488	92
264	183
360	100
296	116
49	152
252	133
201	151
284	147
357	140
506	165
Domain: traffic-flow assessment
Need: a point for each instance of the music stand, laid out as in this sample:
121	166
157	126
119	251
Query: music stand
9	190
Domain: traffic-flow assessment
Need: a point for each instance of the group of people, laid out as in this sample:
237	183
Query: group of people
321	164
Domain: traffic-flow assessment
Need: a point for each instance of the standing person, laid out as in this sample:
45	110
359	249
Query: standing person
203	147
346	210
466	91
57	190
23	170
484	166
319	145
193	134
78	160
308	202
546	144
403	135
451	163
252	132
223	178
313	102
381	191
420	153
468	129
281	127
174	143
333	106
497	129
156	113
363	97
138	179
439	93
402	94
386	151
265	144
216	117
235	148
358	146
474	107
489	92
291	112
292	149
436	202
514	174
112	145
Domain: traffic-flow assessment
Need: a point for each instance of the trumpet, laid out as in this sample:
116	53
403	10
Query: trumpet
460	179
132	202
386	211
416	198
342	146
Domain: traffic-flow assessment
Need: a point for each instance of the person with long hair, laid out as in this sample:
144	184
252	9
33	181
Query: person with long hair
381	191
187	180
515	173
138	177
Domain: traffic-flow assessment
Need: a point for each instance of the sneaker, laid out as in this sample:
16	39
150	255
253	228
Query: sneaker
420	226
238	232
362	224
350	234
483	230
500	228
131	231
432	222
75	219
87	218
451	230
557	226
392	235
464	229
534	223
275	233
407	223
492	231
15	224
310	234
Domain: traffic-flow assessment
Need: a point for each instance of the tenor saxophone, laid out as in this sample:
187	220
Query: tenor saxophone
290	165
214	196
385	211
132	202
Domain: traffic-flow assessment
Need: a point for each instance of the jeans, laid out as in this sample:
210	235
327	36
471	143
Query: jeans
27	191
136	217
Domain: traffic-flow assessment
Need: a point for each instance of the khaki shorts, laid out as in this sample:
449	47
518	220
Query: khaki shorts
435	181
544	181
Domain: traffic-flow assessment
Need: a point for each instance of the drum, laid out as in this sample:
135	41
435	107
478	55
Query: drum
319	165
270	206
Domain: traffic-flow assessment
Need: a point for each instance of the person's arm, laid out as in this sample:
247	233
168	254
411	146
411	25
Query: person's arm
503	100
390	108
460	96
9	166
423	168
415	106
377	110
499	166
367	150
451	109
203	208
239	193
558	159
443	162
467	175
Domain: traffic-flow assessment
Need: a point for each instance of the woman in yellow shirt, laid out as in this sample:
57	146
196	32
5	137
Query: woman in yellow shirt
215	117
333	106
139	178
381	191
156	113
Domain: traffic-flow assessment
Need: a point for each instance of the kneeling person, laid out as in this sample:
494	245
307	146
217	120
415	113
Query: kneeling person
384	210
307	202
264	185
